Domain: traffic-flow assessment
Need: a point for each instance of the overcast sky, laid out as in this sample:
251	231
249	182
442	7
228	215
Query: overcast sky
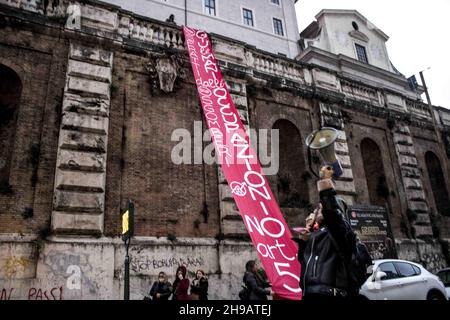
418	30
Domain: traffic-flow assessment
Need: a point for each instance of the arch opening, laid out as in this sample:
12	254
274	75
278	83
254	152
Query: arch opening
375	175
437	182
10	93
292	177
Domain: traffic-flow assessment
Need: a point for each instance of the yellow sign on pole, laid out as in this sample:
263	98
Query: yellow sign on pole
128	222
125	222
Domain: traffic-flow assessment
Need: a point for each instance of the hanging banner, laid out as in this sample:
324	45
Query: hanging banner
259	210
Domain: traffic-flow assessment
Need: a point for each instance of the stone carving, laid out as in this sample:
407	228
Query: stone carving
165	69
249	60
74	17
48	7
53	8
331	116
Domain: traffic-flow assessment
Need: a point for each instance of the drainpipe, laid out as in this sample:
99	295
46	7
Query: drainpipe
185	13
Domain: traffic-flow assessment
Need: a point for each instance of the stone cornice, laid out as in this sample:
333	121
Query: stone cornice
338	61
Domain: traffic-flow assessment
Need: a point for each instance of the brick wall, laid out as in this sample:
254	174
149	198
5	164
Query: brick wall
168	198
40	62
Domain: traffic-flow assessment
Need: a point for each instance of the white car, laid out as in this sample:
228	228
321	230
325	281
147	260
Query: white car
401	280
444	275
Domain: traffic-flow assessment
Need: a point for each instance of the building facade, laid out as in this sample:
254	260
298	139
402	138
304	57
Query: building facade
90	95
255	22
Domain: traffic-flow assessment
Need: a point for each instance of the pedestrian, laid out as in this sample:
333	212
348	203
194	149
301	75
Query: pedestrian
162	288
181	284
199	286
325	248
254	282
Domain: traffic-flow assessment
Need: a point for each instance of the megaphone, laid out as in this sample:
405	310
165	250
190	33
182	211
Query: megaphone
323	140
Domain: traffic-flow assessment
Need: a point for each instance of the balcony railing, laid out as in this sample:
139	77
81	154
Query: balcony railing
277	67
151	32
418	108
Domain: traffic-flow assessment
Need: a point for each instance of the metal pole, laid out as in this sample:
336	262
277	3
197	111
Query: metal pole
435	124
126	293
185	13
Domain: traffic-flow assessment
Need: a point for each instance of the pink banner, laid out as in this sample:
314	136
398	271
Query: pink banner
262	216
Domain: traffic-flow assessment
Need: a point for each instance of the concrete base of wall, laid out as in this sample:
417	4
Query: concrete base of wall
93	268
430	254
74	268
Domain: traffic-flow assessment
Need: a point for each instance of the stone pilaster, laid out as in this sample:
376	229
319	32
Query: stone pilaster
79	194
230	218
345	186
418	210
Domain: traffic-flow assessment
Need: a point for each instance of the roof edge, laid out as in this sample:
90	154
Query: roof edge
352	12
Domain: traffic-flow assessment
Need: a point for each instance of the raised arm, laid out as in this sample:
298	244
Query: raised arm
333	216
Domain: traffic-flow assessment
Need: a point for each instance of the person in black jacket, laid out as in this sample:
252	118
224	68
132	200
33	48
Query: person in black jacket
325	250
199	286
161	289
255	283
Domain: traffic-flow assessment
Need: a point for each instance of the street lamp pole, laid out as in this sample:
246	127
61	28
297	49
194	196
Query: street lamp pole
126	285
430	107
435	123
127	234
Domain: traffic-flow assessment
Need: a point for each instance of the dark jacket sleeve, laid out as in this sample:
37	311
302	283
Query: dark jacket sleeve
301	244
334	221
253	285
167	292
153	290
201	288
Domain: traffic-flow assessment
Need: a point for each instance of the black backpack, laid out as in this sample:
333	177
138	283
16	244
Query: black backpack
244	294
356	268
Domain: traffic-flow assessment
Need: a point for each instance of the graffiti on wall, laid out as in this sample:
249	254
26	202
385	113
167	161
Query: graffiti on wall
143	263
15	265
55	293
65	271
433	261
67	265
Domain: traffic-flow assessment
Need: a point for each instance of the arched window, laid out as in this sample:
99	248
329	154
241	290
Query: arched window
374	171
437	181
292	175
10	91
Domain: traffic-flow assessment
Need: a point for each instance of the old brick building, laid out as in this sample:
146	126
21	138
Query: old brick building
89	97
